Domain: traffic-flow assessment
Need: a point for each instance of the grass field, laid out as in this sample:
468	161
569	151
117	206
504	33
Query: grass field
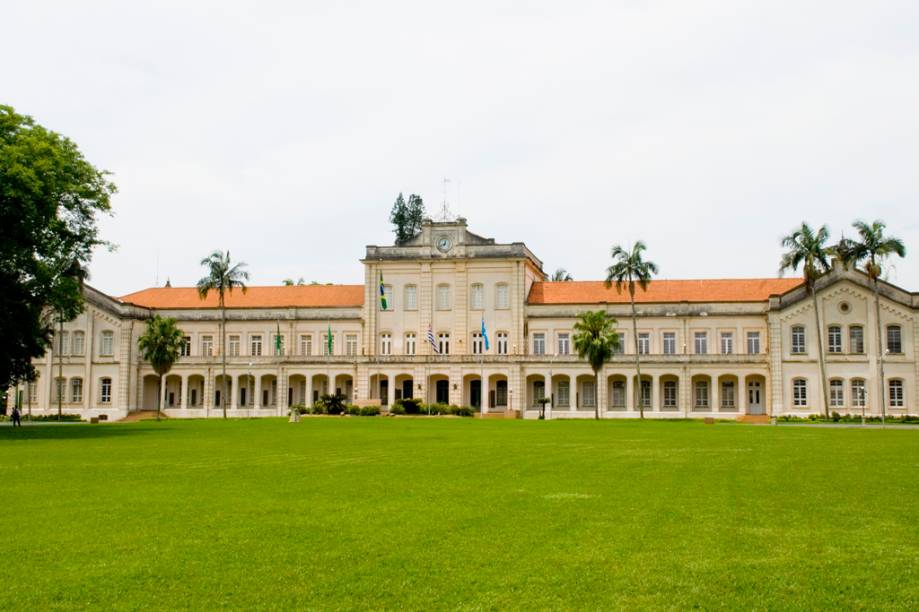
449	513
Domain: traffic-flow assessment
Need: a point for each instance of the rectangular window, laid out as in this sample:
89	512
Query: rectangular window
564	344
386	344
255	345
306	344
443	343
588	394
617	397
62	343
207	346
701	394
502	296
728	395
33	392
834	339
185	348
799	393
410	343
727	343
351	345
477	297
539	344
620	346
798	340
478	343
76	390
670	394
387	293
753	346
564	394
77	347
105	395
107	344
646	394
895	393
326	348
644	343
233	346
894	344
411	297
859	396
443	297
669	343
856	339
59	388
701	343
837	397
502	343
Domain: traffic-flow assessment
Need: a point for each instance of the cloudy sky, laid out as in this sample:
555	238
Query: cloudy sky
284	131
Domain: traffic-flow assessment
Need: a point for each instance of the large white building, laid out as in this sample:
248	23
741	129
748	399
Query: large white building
709	347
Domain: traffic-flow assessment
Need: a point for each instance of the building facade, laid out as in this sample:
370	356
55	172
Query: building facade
720	348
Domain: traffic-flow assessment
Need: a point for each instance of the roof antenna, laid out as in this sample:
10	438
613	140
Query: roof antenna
445	213
168	283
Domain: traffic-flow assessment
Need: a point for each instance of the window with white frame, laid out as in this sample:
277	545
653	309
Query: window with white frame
386	343
894	339
646	394
351	345
856	339
33	392
728	395
478	343
105	391
76	390
859	395
233	346
62	342
411	297
107	344
620	344
727	343
255	345
834	339
564	394
501	343
753	343
502	296
670	391
185	347
443	343
798	340
588	394
564	343
617	396
60	385
701	342
207	346
895	393
387	293
443	297
410	343
669	343
477	296
306	344
78	343
644	343
799	392
700	394
837	394
539	344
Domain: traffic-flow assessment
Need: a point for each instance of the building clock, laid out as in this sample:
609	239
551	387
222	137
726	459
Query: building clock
444	243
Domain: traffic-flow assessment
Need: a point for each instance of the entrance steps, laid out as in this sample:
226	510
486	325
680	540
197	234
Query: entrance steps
141	415
499	414
754	419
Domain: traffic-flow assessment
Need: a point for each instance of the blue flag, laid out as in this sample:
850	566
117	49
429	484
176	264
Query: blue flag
484	334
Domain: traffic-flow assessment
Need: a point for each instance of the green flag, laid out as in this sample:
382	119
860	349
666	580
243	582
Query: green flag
329	341
277	340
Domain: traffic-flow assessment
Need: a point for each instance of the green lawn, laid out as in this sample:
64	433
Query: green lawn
449	513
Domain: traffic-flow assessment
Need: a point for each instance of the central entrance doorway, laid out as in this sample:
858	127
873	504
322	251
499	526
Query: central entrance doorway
754	397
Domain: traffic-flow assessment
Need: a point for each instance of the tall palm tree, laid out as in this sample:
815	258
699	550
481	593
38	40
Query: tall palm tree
160	344
808	249
595	340
873	248
222	277
561	274
629	268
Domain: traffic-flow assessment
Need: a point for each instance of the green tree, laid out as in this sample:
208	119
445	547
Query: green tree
414	215
50	201
808	250
629	267
561	275
223	276
874	248
289	282
161	344
595	339
398	216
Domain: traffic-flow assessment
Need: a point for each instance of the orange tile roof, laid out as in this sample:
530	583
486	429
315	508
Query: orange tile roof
662	291
305	296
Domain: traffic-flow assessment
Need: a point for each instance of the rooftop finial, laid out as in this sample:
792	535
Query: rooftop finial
445	213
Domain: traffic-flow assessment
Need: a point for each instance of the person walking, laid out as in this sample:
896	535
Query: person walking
17	422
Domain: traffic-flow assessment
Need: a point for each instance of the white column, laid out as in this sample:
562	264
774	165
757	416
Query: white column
256	382
233	400
183	385
715	393
391	386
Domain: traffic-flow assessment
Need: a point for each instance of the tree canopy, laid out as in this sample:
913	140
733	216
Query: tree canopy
50	201
406	217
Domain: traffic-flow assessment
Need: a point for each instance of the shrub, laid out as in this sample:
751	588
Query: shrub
331	404
73	418
835	416
352	410
318	408
463	411
397	409
369	411
412	405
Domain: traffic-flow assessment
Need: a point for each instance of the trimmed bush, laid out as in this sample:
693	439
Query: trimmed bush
397	409
412	405
370	411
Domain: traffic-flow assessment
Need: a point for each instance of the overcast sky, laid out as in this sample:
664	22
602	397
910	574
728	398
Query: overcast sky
284	131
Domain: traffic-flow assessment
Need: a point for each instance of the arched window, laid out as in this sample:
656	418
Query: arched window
798	340
895	393
501	345
834	339
105	391
799	393
894	339
386	343
410	343
856	339
859	395
76	390
107	343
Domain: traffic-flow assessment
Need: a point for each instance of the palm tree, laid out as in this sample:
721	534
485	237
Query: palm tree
160	345
808	249
289	282
561	274
627	269
873	248
595	339
222	277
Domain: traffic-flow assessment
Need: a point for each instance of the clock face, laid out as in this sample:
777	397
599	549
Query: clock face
444	244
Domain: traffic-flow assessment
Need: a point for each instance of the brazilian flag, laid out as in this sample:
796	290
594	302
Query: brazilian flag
383	304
